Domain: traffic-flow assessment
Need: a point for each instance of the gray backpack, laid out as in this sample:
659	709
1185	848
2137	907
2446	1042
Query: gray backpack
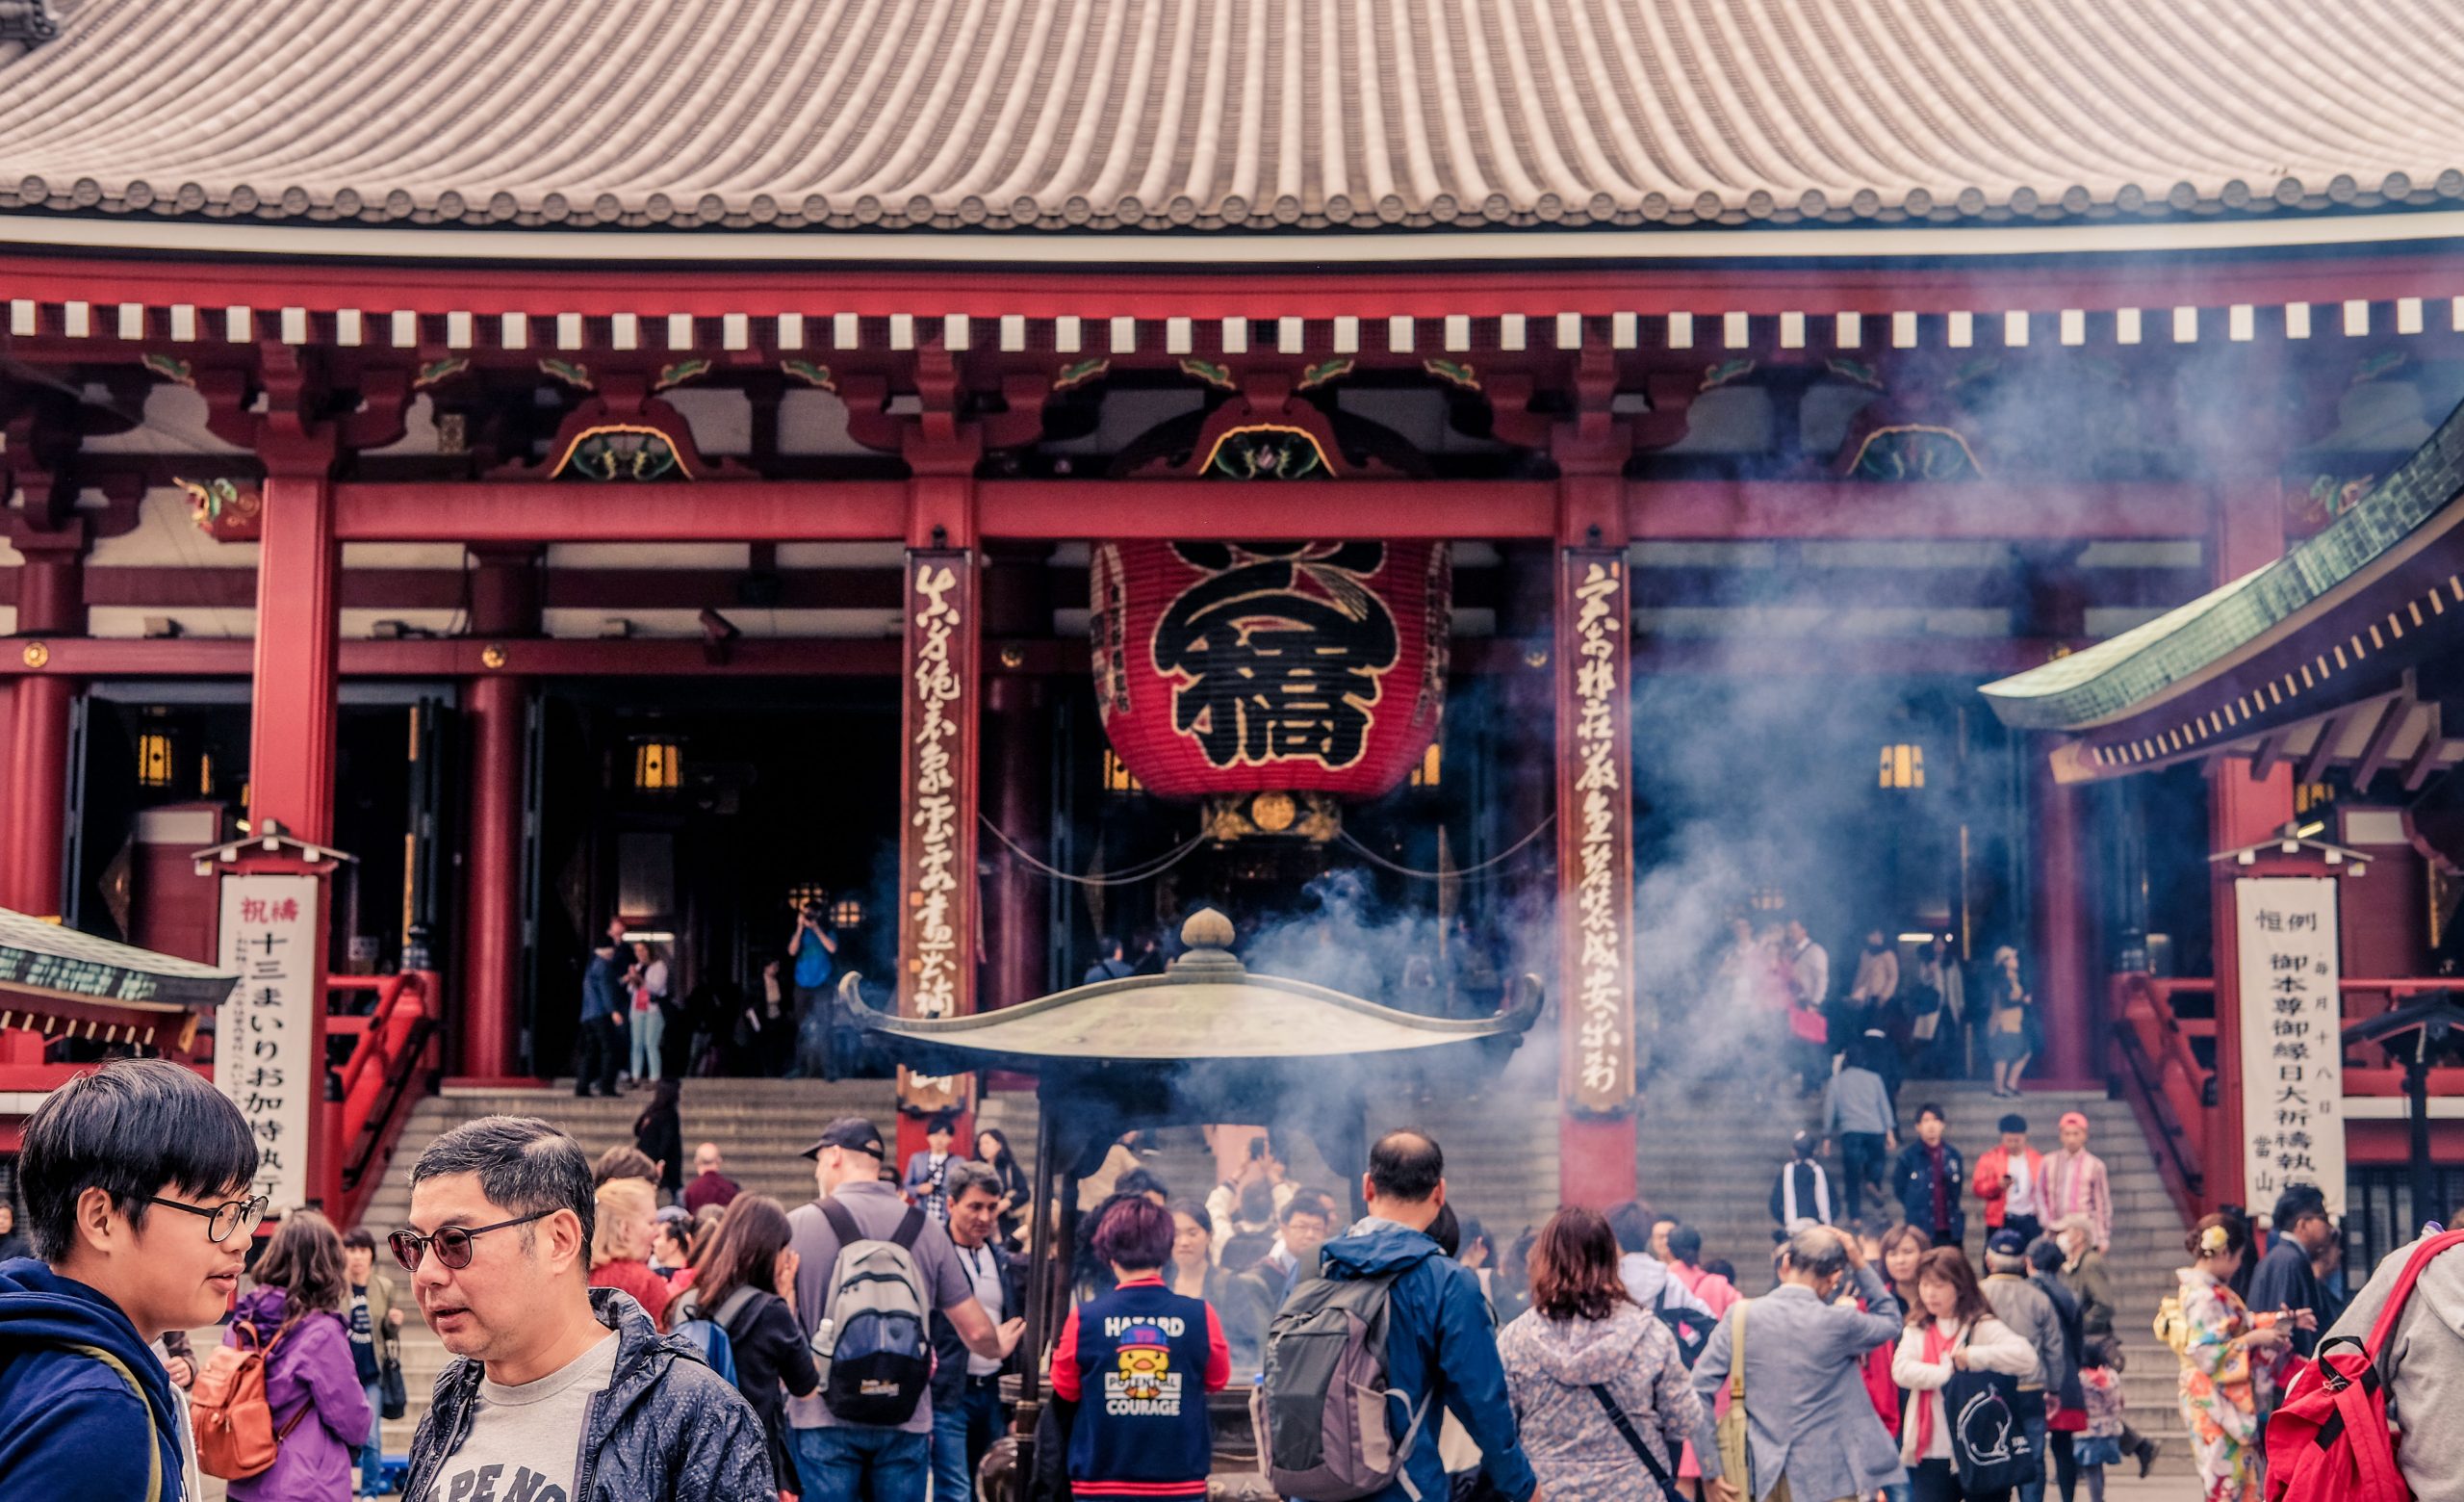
1322	1409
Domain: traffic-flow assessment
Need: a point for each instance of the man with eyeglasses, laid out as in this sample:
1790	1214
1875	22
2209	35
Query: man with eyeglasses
559	1390
136	1182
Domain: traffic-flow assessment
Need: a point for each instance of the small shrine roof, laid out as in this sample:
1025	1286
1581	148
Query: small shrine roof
56	979
1343	116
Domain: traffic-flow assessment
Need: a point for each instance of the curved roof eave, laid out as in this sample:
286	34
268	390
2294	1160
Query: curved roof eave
2152	662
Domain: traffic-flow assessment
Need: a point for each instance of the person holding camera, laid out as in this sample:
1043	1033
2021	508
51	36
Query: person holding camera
810	948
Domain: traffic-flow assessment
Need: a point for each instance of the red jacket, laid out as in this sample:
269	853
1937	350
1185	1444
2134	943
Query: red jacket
1993	1167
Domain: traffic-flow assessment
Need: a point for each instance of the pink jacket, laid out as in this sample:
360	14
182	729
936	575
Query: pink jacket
2077	1186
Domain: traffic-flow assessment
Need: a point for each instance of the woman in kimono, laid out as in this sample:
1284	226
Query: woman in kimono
2225	1351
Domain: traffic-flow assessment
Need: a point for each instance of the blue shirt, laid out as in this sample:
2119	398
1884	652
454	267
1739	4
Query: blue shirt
813	962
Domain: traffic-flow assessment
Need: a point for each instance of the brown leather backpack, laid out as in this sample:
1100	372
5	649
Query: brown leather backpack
233	1419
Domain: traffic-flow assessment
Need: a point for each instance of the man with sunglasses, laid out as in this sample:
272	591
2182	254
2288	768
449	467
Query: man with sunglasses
559	1390
136	1182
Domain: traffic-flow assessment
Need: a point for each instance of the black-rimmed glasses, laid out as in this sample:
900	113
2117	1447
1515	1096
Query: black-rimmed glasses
452	1243
232	1218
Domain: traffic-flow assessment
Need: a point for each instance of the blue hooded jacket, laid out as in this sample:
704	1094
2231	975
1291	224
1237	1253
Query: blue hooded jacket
1442	1344
70	1430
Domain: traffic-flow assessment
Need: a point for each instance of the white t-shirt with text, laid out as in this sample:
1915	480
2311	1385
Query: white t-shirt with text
524	1440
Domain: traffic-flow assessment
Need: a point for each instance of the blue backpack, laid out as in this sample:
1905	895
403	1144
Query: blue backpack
708	1333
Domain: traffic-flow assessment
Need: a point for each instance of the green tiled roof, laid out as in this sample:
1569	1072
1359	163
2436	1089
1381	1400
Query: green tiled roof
2114	678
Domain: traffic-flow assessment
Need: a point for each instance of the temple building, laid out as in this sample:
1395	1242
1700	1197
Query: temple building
1483	494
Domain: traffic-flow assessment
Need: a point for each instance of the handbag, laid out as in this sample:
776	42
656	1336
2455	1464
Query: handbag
1990	1445
392	1400
1634	1441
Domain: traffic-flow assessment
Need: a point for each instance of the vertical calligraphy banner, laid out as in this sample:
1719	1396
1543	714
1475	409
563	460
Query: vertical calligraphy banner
2293	1084
936	909
1596	828
265	1034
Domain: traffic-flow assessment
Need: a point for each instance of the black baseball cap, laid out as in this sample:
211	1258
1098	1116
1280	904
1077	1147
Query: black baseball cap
2007	1242
848	1131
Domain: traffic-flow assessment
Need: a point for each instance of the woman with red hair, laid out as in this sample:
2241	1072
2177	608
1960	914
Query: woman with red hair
1595	1379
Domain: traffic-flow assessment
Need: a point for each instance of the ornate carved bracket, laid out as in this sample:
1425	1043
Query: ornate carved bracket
620	433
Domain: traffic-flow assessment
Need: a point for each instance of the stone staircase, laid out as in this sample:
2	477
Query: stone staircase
1708	1154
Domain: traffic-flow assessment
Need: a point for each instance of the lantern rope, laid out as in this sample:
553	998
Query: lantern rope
1147	872
1458	875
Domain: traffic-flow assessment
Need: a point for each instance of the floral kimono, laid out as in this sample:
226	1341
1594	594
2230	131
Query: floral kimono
2220	1396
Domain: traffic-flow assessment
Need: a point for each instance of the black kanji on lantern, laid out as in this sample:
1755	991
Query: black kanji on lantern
1283	646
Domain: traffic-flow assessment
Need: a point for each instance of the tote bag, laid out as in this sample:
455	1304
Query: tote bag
1736	1443
1989	1447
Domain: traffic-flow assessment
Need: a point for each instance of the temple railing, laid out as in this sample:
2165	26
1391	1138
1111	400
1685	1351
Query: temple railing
374	1092
2165	1032
2171	1087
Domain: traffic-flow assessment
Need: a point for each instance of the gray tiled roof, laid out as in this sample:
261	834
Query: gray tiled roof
1215	114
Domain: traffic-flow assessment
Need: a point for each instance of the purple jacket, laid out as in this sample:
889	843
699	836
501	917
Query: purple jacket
312	1365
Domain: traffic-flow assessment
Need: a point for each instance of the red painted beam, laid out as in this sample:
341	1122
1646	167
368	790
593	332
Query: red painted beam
1745	510
613	589
460	658
535	511
2091	281
873	510
1178	508
82	657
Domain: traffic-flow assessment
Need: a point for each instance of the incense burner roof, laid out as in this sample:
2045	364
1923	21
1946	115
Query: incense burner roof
1206	1008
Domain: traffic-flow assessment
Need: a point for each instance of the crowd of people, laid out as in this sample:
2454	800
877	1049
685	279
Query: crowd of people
1907	1006
725	1348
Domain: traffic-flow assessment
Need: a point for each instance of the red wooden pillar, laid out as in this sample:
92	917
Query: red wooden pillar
33	823
1594	653
505	604
2069	992
488	1036
1017	604
2241	811
34	786
291	728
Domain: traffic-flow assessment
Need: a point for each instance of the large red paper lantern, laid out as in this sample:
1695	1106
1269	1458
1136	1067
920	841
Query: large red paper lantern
1290	666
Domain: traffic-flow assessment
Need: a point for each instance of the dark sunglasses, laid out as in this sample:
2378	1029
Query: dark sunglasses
235	1217
452	1243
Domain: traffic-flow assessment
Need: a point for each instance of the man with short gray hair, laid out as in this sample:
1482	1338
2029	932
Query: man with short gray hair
967	1416
1808	1419
557	1390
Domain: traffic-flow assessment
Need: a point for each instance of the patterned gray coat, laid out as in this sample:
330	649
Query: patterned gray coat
1573	1445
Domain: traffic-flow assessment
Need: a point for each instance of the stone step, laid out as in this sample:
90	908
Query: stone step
1708	1154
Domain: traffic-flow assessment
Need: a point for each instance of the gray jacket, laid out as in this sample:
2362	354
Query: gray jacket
1808	1415
2021	1305
2424	1360
1858	1101
668	1429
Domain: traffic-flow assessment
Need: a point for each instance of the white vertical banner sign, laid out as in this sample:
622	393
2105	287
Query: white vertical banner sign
2293	1077
265	1033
